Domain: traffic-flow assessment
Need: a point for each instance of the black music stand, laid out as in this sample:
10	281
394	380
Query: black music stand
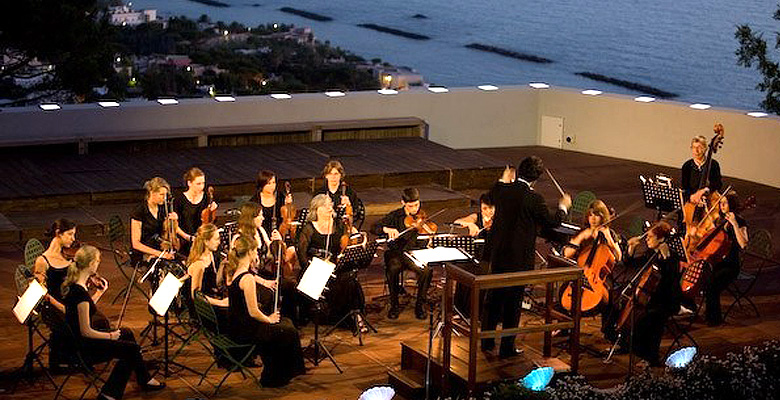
23	310
471	245
661	196
355	258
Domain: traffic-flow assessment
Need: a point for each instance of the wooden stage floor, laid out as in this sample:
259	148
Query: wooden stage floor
366	366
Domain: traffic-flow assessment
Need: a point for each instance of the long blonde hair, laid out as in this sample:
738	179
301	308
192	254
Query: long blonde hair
85	256
205	233
241	248
246	221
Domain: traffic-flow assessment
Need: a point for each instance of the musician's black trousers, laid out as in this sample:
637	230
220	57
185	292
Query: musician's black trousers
502	304
395	262
723	274
128	354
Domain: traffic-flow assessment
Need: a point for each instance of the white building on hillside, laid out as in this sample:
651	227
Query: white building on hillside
124	15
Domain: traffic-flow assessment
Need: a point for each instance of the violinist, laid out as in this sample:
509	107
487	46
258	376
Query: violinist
51	267
341	194
147	222
692	172
250	225
391	225
511	245
189	206
479	223
279	344
100	343
725	271
321	237
271	201
664	300
204	268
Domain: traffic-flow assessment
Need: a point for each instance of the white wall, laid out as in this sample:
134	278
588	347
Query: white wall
610	125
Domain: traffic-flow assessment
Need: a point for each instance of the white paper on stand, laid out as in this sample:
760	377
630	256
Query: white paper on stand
29	300
439	254
165	294
316	277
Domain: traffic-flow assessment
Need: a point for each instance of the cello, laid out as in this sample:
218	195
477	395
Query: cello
597	262
710	248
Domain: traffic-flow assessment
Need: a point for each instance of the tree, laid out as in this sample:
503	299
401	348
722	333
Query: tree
753	50
73	37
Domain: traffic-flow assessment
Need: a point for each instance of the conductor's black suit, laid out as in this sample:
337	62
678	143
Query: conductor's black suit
520	214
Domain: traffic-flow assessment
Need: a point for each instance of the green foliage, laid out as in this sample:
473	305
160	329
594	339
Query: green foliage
753	51
73	36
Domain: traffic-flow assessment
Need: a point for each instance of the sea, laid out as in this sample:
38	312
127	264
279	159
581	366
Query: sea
684	47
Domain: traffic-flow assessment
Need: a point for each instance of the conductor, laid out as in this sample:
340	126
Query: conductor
520	214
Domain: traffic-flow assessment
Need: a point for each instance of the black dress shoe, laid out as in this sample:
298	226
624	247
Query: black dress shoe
510	353
419	312
151	387
394	312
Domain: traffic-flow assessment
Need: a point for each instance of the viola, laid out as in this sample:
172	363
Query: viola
170	239
692	211
348	207
288	227
207	216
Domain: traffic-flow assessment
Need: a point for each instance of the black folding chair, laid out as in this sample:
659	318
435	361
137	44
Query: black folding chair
754	259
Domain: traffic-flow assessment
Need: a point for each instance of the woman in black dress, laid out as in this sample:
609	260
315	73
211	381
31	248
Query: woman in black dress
100	343
146	222
204	270
51	267
725	271
189	206
271	201
278	342
321	237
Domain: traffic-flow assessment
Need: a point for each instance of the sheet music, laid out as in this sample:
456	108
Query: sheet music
439	254
29	300
316	277
165	294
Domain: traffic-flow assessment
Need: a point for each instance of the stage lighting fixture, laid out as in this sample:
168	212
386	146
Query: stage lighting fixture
538	379
378	393
681	358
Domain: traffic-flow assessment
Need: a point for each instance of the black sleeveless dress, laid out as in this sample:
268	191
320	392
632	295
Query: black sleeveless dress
279	345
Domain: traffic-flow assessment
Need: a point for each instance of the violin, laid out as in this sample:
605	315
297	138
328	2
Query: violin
288	227
348	207
421	223
207	216
692	211
95	281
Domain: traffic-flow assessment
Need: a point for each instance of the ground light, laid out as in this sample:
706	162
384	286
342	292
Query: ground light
681	358
538	379
378	393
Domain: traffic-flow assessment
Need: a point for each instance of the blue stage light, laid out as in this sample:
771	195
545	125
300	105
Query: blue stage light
681	358
378	393
538	379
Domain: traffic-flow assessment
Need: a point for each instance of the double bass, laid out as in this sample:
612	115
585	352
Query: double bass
692	212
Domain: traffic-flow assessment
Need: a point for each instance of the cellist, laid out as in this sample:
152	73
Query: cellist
664	300
597	216
725	271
